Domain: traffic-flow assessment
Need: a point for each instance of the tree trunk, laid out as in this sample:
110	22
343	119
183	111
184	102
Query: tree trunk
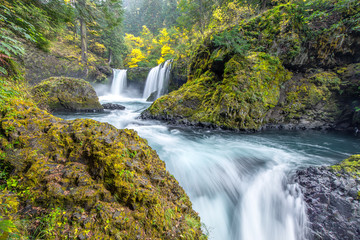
83	41
110	56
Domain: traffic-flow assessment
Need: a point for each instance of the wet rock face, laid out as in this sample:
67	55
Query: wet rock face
89	180
113	106
333	203
136	77
66	94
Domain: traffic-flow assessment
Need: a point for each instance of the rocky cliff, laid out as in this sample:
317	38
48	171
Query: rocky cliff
292	66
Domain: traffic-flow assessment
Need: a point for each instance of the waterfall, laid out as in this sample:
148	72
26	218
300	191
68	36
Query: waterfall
119	82
157	80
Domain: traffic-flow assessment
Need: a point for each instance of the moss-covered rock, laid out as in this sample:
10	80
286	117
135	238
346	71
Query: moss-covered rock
350	165
240	100
240	77
136	77
178	74
66	94
86	179
63	59
309	101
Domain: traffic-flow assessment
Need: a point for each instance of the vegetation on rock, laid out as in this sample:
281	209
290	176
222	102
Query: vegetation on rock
350	165
83	179
275	67
240	100
66	94
61	38
136	77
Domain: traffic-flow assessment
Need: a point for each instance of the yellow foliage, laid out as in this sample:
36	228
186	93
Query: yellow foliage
146	32
229	15
163	37
133	42
134	58
98	47
165	50
69	38
94	33
91	58
148	47
161	60
147	38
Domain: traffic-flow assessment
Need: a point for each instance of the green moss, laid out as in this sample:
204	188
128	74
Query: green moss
249	88
313	97
350	165
87	179
327	79
277	31
66	94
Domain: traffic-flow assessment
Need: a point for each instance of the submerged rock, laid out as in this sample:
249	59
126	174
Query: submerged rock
332	195
152	97
66	94
113	106
87	180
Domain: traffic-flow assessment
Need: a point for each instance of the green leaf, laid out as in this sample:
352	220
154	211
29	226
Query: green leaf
3	71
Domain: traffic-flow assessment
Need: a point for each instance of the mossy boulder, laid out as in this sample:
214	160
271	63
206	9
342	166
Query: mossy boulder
66	94
239	100
87	180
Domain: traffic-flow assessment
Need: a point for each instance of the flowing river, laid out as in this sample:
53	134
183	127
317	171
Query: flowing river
240	184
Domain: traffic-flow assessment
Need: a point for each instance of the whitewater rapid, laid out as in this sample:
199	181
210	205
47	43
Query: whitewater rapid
240	184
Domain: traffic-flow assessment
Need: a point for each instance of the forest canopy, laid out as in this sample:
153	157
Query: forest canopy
142	33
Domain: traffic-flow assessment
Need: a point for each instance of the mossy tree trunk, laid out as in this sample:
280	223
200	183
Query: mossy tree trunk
110	56
83	33
83	41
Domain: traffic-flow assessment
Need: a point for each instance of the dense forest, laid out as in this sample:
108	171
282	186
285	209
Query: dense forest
234	68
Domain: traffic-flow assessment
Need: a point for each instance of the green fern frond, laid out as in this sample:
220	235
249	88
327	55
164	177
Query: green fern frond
3	71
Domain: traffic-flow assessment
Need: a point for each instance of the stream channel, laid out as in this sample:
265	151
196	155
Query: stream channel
239	183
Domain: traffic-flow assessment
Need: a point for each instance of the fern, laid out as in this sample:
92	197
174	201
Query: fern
233	41
3	71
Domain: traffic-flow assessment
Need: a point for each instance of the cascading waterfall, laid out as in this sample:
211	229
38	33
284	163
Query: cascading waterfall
119	82
271	210
157	80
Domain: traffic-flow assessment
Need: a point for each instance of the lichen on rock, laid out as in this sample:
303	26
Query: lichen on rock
309	100
332	197
66	94
86	179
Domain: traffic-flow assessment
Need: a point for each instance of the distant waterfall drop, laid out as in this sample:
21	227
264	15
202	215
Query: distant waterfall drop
119	82
157	80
